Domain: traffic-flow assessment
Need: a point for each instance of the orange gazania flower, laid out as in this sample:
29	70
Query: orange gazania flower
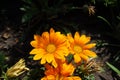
72	78
49	46
51	77
80	48
67	69
62	72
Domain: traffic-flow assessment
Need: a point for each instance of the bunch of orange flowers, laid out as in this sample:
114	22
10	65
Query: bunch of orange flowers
53	50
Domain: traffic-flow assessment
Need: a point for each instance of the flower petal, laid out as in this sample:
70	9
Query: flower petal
49	58
43	60
34	44
77	58
76	37
89	46
54	63
76	78
52	34
67	69
83	39
90	53
45	36
70	38
84	57
36	37
38	56
37	51
72	78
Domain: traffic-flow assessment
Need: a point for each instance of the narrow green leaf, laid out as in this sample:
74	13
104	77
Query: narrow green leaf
118	17
102	18
113	68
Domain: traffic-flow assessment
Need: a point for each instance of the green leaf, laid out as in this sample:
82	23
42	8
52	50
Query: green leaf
28	1
89	77
30	57
102	18
113	68
69	58
93	1
2	59
118	17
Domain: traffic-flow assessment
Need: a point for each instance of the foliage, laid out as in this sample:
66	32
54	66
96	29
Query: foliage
3	66
30	9
114	26
105	2
43	6
2	59
113	68
112	23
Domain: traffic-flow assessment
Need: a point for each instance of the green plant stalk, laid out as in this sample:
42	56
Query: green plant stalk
113	68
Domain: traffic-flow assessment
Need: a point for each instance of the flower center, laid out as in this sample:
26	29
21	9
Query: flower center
50	48
77	49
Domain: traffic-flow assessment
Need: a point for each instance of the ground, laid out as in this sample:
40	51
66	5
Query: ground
11	46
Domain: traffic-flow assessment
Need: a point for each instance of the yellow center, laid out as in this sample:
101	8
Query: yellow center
77	49
51	48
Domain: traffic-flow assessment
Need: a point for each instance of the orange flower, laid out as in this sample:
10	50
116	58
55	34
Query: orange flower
51	73
51	77
67	69
80	48
72	78
50	46
50	70
62	72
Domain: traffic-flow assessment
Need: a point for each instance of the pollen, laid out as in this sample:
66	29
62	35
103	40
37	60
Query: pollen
50	48
77	49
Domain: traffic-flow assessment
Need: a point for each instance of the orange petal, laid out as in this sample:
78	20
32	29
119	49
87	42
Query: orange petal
67	69
60	55
36	37
43	60
64	50
54	63
51	77
90	53
60	38
52	30
70	38
38	56
77	58
44	78
52	34
76	37
45	36
76	78
72	78
89	46
84	57
49	58
37	51
34	43
83	39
